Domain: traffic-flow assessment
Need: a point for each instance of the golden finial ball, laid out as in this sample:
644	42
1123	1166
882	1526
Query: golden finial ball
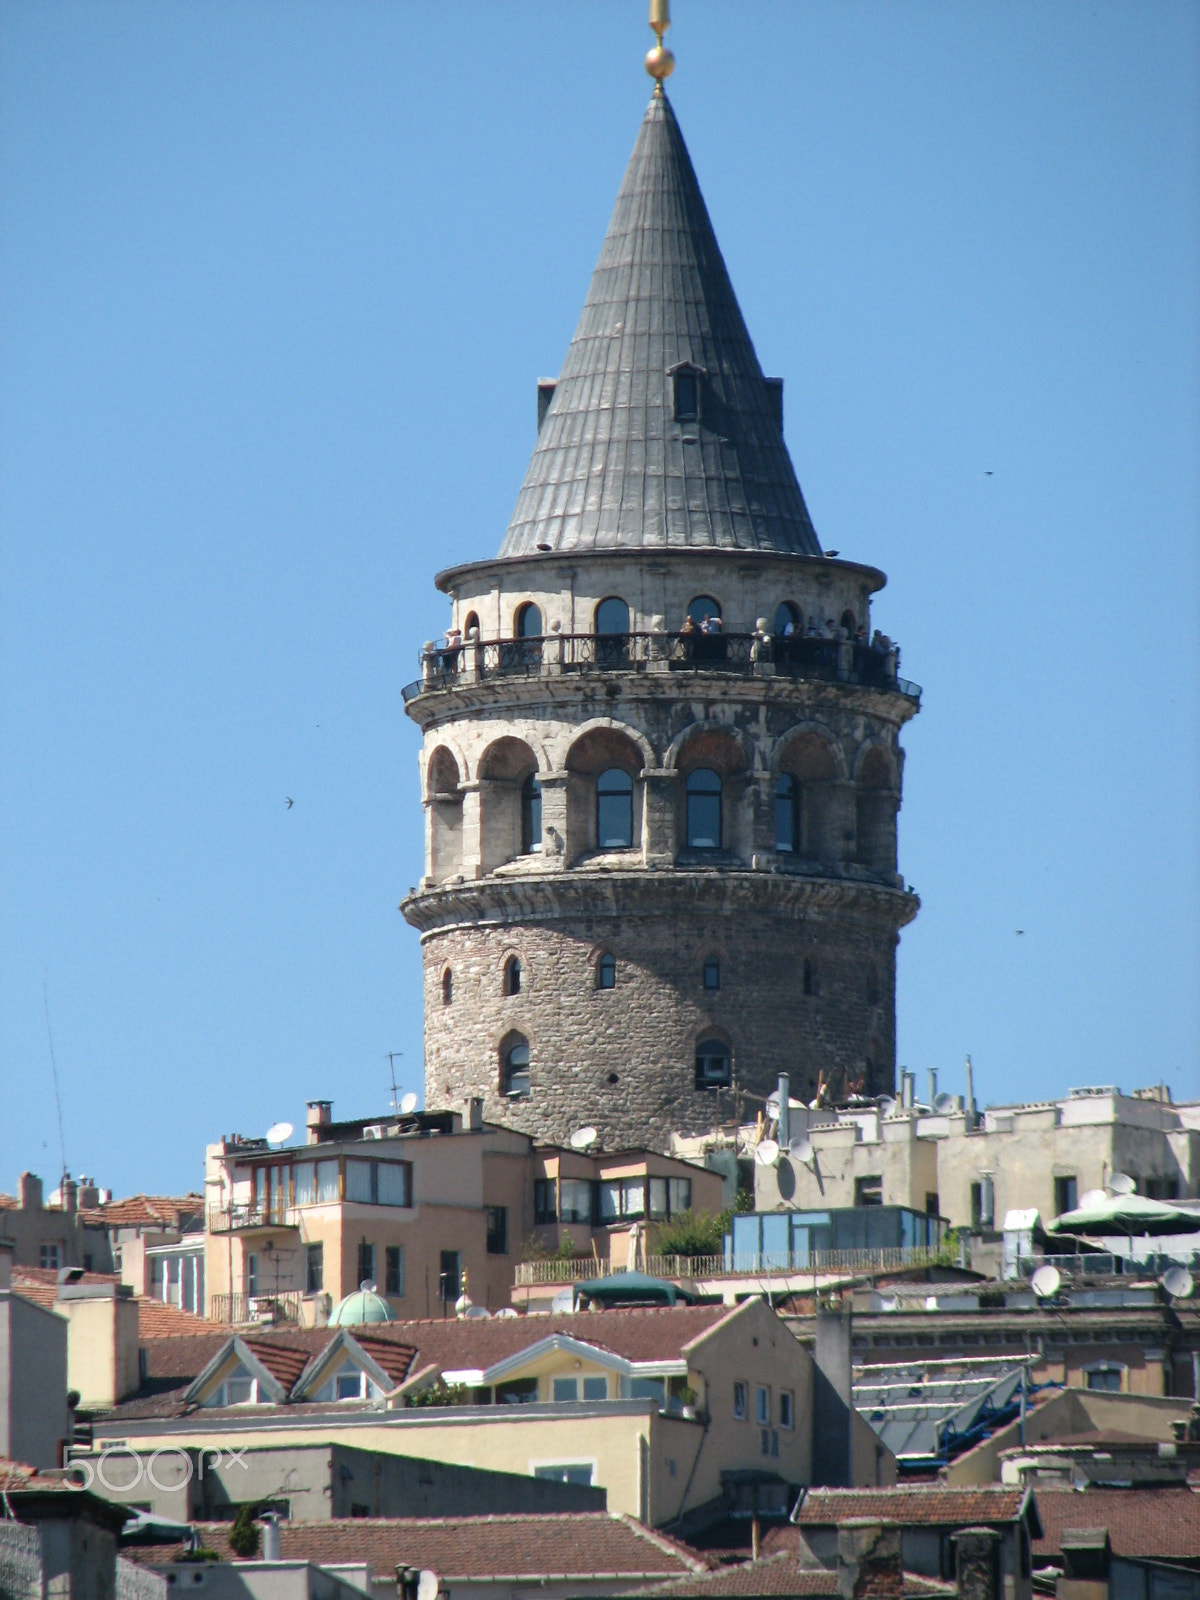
660	63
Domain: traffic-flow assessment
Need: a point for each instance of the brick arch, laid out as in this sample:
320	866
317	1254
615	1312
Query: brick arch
802	751
875	766
718	745
600	725
597	748
443	774
507	759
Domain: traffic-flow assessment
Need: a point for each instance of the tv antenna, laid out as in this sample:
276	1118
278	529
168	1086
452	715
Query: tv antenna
62	1144
392	1057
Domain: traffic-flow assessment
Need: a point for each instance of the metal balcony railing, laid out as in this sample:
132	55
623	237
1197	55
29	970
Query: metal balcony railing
744	654
235	1308
582	1269
236	1218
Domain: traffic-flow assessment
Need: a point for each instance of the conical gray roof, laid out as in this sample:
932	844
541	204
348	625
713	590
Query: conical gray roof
613	469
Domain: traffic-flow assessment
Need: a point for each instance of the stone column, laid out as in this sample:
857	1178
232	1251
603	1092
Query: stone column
660	841
472	839
554	820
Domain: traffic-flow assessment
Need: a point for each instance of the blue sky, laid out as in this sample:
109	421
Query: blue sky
277	283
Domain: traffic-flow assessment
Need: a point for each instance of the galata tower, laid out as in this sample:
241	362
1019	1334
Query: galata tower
661	763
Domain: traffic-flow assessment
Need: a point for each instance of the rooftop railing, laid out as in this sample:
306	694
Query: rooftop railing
583	1269
236	1218
738	654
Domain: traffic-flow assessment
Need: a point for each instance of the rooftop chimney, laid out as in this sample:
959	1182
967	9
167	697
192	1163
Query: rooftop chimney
270	1537
70	1195
29	1191
833	1414
89	1194
475	1115
868	1561
977	1562
785	1091
318	1114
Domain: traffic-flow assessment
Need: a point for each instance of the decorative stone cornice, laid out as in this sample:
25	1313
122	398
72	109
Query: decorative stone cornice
672	892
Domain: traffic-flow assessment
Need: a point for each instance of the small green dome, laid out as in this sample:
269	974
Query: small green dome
364	1305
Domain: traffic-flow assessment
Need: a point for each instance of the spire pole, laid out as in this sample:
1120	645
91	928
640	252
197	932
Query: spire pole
660	63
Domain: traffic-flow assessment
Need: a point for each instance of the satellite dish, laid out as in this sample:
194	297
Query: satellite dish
767	1154
475	1313
1046	1281
367	1286
507	1311
279	1133
408	1105
887	1106
801	1150
1093	1198
1178	1282
1122	1183
582	1138
945	1104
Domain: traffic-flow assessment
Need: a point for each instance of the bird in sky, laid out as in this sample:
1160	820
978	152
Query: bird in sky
288	801
988	473
1020	931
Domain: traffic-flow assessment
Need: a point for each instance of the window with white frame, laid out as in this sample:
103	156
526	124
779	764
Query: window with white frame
670	1196
237	1389
622	1198
739	1401
379	1183
50	1257
575	1200
349	1382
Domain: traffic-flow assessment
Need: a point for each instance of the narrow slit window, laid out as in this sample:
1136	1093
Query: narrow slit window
712	973
687	396
606	972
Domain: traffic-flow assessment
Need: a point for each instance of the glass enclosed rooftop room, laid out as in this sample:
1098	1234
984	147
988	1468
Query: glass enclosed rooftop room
783	1241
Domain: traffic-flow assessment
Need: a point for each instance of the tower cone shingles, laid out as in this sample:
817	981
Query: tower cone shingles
612	468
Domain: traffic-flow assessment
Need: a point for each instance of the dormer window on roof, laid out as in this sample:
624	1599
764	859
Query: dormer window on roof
686	389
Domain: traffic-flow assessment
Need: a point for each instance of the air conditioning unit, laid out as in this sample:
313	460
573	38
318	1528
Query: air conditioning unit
373	1130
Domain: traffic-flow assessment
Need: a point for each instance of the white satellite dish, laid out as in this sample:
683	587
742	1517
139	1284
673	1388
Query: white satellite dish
1092	1199
1045	1282
1122	1183
474	1313
945	1104
767	1154
507	1311
408	1105
801	1150
583	1138
279	1133
1178	1282
887	1106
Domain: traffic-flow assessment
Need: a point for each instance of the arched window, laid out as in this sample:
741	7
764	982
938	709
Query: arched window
788	620
606	972
703	810
787	815
810	977
529	622
471	624
612	617
531	815
849	622
712	973
512	975
614	810
447	987
514	1072
714	1064
704	606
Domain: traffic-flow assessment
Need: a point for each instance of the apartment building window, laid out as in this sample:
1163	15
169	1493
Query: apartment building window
868	1191
983	1202
517	1392
622	1198
449	1277
1105	1376
1065	1195
49	1257
314	1268
366	1262
739	1402
762	1406
545	1201
316	1183
497	1230
575	1199
379	1183
931	1204
566	1389
394	1263
787	1409
569	1472
670	1196
252	1276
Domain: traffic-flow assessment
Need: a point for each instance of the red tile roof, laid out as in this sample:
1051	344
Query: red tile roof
1163	1524
551	1545
930	1505
156	1319
778	1575
183	1213
395	1359
283	1359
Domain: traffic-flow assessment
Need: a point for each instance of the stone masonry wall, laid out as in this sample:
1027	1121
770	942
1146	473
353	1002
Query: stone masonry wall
624	1059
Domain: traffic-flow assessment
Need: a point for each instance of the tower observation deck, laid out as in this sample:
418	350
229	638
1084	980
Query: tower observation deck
661	764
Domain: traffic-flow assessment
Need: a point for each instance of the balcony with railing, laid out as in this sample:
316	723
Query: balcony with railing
835	661
760	1265
284	1306
252	1217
